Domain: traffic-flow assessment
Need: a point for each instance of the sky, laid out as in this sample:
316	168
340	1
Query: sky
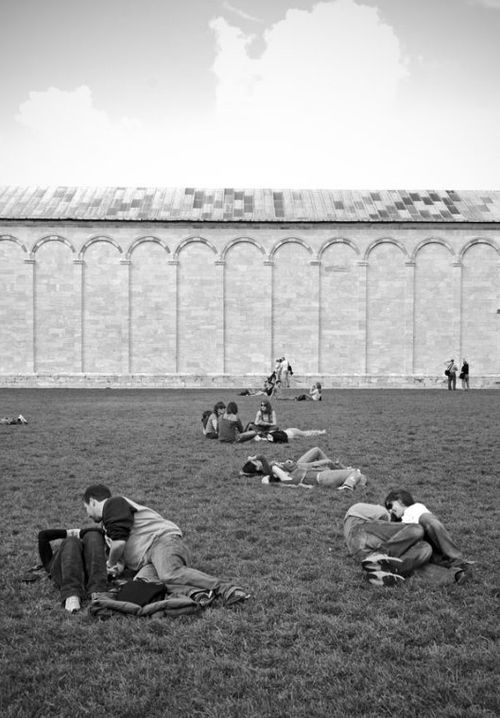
341	94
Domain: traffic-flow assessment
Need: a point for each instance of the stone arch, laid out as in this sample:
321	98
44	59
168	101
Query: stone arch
51	238
142	240
11	238
289	240
337	240
241	240
193	240
478	240
431	240
384	240
94	240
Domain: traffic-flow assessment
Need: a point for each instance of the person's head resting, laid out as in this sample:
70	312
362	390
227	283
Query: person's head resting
397	501
265	407
232	408
94	498
219	408
251	467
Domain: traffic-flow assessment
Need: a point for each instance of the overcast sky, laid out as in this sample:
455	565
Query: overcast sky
342	94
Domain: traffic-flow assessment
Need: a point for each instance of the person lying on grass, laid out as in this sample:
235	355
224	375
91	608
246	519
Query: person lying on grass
142	540
314	395
445	552
279	436
389	552
314	468
11	420
77	566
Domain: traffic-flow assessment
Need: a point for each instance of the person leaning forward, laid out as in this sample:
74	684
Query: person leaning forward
140	539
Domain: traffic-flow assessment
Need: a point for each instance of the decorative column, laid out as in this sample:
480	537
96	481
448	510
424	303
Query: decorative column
268	281
457	303
316	287
363	317
31	318
78	272
125	302
409	319
175	264
220	332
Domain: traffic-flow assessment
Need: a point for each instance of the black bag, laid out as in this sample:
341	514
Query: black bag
278	436
141	592
461	375
447	372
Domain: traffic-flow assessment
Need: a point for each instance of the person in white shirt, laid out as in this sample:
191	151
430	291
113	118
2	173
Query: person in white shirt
402	506
388	551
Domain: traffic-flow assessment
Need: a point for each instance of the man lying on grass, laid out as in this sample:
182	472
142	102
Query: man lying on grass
143	541
445	552
78	564
314	468
390	552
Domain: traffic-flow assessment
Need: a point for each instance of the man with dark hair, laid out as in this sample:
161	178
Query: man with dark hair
388	552
142	540
78	564
402	506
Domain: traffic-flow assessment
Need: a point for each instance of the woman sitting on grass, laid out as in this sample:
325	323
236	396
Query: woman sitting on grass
313	468
265	419
230	426
211	427
267	389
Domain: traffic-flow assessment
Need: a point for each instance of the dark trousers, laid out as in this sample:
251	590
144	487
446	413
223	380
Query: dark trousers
79	566
445	552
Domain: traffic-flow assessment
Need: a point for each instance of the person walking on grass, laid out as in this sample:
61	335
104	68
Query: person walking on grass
388	552
140	539
445	552
77	566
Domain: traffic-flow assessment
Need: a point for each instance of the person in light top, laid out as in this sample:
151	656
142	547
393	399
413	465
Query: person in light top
402	506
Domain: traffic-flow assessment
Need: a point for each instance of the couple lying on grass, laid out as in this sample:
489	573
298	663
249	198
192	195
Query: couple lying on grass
400	539
131	537
314	468
225	424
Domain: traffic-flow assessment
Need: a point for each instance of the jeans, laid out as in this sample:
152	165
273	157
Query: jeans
400	540
79	566
168	560
444	550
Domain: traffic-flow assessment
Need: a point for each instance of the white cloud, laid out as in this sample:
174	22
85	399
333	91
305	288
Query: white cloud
321	107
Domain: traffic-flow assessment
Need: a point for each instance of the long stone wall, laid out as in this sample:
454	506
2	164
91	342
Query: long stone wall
146	304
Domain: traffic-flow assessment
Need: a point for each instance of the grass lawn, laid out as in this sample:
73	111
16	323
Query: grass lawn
315	639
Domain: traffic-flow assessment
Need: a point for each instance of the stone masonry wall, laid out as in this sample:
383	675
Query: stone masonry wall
144	304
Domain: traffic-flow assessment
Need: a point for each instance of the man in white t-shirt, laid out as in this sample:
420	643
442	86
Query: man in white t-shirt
404	508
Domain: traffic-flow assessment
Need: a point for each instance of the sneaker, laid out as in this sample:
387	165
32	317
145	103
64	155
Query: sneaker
203	598
381	562
21	419
384	578
72	604
98	595
345	488
233	595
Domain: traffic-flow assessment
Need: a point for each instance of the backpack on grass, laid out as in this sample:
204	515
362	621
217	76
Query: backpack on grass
204	417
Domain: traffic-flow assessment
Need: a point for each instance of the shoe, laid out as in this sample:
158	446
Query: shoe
345	488
203	598
461	577
384	578
233	595
381	562
21	419
72	604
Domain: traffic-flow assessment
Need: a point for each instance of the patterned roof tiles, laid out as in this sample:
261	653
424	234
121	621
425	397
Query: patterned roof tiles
192	204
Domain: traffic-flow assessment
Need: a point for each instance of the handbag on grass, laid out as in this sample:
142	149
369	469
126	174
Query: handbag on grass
141	592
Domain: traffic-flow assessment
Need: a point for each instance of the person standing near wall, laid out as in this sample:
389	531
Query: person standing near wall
451	373
464	375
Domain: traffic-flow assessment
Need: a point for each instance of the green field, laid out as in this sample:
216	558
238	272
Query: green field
315	639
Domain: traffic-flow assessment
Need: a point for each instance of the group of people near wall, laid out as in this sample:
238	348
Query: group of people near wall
451	374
